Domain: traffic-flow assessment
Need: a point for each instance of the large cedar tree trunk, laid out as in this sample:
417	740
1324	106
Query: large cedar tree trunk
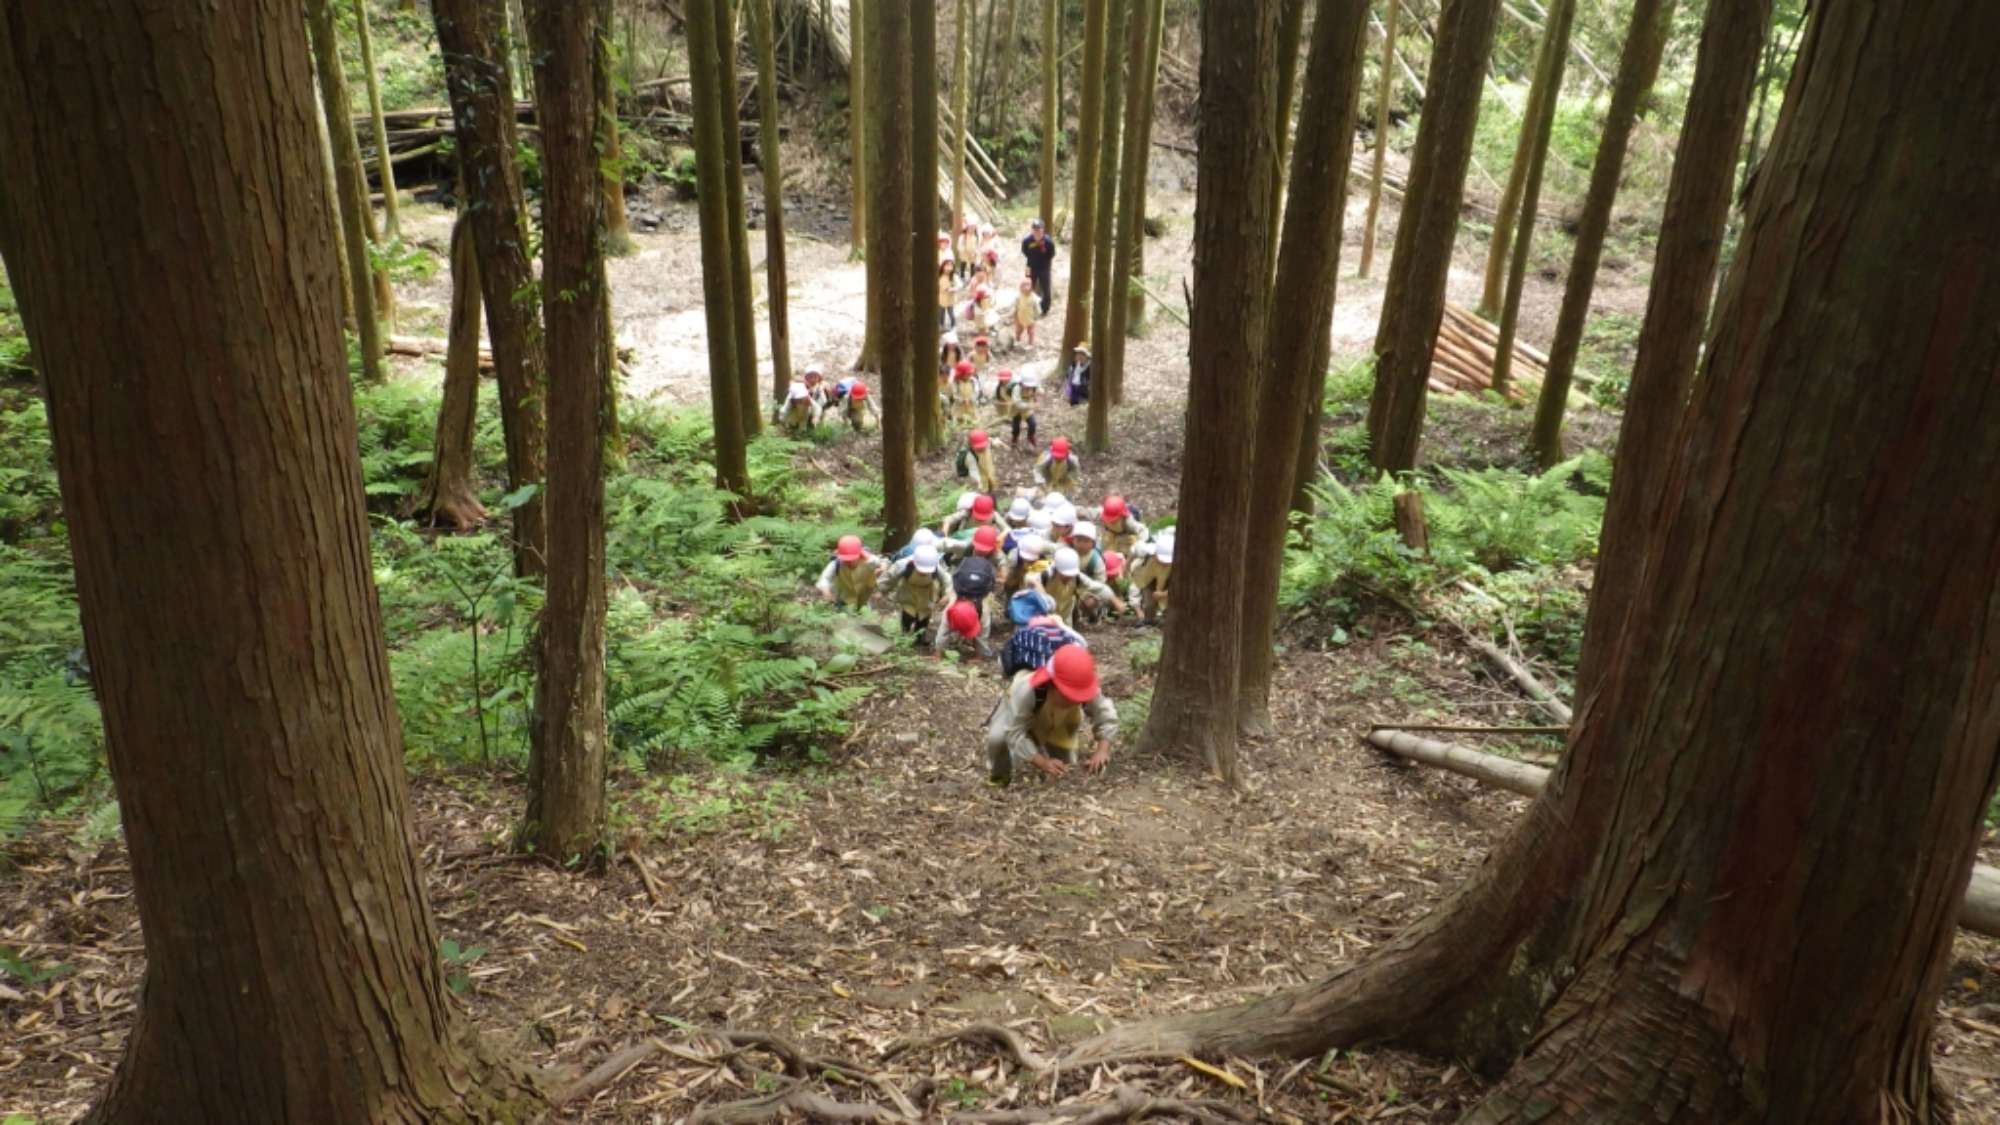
471	40
741	279
1420	264
1677	305
711	101
352	214
1194	701
448	497
566	751
1089	152
1051	108
206	448
1735	900
857	138
1645	41
763	39
889	270
1301	317
1097	420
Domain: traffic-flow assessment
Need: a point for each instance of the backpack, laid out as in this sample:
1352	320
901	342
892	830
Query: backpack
1031	647
1028	605
963	462
973	580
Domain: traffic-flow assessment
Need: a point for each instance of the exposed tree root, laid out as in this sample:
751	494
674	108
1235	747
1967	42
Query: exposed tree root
803	1099
1130	1104
609	1071
991	1032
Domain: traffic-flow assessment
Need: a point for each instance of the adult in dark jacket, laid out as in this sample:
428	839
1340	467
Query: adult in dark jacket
1040	250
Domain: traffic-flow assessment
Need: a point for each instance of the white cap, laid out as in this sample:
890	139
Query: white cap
1084	531
924	537
925	559
815	369
1030	380
1163	549
965	500
1064	515
1020	509
1040	523
1067	564
797	391
951	337
1029	547
1054	501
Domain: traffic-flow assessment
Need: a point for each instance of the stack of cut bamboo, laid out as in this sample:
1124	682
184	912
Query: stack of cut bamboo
1463	358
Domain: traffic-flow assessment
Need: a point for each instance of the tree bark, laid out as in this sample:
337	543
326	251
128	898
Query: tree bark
448	497
205	444
1089	152
1499	251
1131	242
1562	17
1194	700
711	100
1734	901
929	414
470	38
1413	298
1383	93
1291	36
333	196
764	39
857	138
1005	95
566	750
1301	316
1677	305
1640	64
385	170
1308	468
1051	107
352	213
961	81
1117	49
743	308
889	269
617	225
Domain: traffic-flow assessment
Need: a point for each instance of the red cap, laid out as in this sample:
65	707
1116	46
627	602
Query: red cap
963	617
858	391
977	439
1114	564
982	293
1058	448
980	341
1006	374
986	538
848	549
1073	672
963	369
1114	508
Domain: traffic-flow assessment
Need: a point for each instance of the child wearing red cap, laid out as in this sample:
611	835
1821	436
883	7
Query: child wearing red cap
849	580
981	358
859	408
963	391
1057	470
982	463
1041	717
1118	524
963	625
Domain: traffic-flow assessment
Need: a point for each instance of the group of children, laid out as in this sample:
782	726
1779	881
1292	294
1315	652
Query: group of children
811	399
969	288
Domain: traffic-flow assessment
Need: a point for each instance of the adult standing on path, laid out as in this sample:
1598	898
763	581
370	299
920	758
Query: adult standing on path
1040	250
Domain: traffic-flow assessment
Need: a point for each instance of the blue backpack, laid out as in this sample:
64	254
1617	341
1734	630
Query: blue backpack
1028	605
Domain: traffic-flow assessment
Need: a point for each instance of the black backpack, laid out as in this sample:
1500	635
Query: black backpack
973	580
963	463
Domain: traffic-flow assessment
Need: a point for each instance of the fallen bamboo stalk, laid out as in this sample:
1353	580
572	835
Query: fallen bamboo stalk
1979	909
1450	729
429	346
1520	674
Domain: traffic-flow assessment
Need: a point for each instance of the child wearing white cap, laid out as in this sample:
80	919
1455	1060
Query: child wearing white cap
1151	574
797	412
1072	590
920	586
1020	404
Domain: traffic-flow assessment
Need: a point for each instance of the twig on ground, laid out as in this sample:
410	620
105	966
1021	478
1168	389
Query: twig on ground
1129	1104
609	1071
801	1097
653	891
991	1032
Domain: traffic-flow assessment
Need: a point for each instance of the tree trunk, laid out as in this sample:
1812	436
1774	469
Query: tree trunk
1528	146
1734	901
1089	152
979	88
1413	297
333	198
1562	16
1194	700
857	138
448	498
1005	94
1097	421
352	213
1051	107
1677	304
743	307
1144	62
1301	317
889	269
711	100
1308	469
929	414
1644	43
477	79
385	170
763	38
617	226
961	79
205	444
566	751
1291	35
1383	93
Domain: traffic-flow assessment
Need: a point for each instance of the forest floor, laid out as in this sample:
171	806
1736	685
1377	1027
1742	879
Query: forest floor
892	893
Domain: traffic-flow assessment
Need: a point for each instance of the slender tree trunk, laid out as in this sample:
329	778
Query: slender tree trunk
448	497
385	170
929	415
1301	320
517	37
617	226
1309	432
477	80
1291	35
1413	298
1562	16
1194	700
961	80
333	197
1692	911
1677	304
1005	94
1051	106
1383	93
711	101
1097	422
743	308
1527	149
1644	43
769	158
1131	240
986	53
353	214
1089	153
889	267
204	440
857	139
